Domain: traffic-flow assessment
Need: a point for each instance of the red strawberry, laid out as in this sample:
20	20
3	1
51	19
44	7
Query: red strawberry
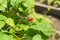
30	19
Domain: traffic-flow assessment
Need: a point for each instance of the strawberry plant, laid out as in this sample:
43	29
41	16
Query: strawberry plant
19	21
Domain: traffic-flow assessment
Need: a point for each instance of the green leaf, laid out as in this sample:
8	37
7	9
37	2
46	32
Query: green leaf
36	27
46	28
6	36
29	3
12	30
10	22
37	37
3	4
2	17
20	9
2	23
47	20
50	1
41	1
15	2
24	27
44	24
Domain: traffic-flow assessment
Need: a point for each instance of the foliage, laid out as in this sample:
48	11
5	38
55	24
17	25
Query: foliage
51	2
18	21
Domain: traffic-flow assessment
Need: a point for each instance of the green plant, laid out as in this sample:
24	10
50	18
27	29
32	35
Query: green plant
18	21
53	2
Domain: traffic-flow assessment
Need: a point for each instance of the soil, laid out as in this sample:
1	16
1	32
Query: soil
54	15
56	22
41	8
56	25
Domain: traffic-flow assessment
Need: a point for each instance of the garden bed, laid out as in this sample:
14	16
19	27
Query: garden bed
53	14
42	7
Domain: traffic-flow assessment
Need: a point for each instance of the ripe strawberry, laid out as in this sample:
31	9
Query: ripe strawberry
30	19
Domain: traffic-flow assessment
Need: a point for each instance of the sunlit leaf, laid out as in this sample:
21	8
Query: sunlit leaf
2	23
2	17
24	27
44	27
49	1
3	4
37	37
29	3
15	2
49	8
6	36
10	22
